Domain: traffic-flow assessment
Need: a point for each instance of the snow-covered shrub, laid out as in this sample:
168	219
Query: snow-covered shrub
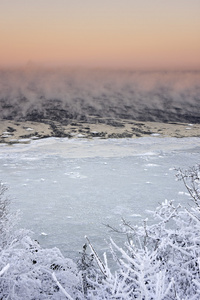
159	261
7	219
28	271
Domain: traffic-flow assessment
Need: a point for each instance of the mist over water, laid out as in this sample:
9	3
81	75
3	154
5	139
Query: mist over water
61	94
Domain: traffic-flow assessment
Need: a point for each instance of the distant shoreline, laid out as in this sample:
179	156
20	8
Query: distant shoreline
12	132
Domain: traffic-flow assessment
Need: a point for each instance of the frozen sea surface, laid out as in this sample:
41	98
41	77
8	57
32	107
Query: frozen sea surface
69	188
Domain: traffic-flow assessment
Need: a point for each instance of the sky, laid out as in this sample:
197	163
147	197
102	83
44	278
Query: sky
136	34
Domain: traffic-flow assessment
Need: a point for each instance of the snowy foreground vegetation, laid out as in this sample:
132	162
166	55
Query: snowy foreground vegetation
158	261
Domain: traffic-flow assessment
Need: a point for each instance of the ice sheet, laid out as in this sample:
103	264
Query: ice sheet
69	188
80	147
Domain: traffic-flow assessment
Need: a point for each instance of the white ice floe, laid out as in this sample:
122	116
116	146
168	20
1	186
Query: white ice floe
29	129
155	134
152	165
80	135
24	141
75	175
73	134
5	135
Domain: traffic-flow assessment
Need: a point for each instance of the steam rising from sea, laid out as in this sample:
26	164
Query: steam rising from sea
62	94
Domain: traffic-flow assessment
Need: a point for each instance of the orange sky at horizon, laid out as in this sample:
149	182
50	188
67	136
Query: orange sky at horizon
129	34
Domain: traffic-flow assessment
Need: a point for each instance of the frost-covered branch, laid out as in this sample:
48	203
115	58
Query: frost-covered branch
61	287
4	269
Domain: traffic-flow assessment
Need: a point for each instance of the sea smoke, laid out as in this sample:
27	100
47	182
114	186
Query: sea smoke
64	95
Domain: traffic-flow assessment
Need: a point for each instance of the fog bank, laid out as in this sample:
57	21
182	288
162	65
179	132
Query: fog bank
61	94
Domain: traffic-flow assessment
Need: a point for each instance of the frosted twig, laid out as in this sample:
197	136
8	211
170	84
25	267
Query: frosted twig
60	287
98	260
4	269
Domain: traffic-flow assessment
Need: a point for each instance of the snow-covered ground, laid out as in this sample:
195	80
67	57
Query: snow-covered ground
69	188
